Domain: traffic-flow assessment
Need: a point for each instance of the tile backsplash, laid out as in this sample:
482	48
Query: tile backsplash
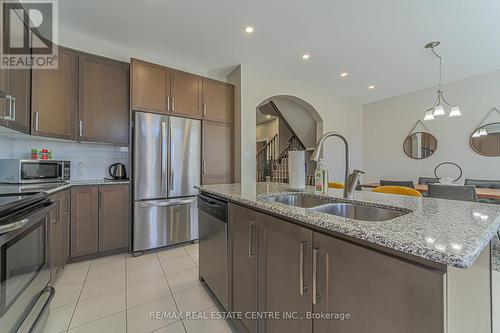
88	160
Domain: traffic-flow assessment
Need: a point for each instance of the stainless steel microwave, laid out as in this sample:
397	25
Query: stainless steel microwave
15	171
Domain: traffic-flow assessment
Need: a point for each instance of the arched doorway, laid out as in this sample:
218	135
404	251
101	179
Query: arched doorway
284	123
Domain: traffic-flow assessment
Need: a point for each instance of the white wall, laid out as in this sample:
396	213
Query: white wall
235	78
267	130
386	123
301	121
338	114
88	161
85	43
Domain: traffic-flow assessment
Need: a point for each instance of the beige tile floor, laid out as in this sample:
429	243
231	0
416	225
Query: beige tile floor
118	293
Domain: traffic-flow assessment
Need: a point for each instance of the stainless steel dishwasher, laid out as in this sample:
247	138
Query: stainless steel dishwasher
212	221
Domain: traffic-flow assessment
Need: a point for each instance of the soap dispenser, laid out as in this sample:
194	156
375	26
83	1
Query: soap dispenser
321	178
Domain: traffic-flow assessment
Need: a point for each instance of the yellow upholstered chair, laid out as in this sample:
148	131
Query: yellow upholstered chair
401	190
335	185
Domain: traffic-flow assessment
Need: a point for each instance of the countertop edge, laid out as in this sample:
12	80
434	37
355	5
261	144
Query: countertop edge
85	183
434	256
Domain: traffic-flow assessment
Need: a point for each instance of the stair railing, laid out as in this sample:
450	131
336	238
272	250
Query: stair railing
264	158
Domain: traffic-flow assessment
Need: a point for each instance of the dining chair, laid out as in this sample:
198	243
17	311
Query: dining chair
452	192
400	190
427	180
405	183
335	185
482	183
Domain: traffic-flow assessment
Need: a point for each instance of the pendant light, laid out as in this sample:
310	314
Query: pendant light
437	110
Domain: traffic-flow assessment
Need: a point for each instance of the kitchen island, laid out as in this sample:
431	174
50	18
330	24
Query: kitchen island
427	270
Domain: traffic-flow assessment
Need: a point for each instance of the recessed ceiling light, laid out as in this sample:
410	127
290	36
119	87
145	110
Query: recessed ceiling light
371	87
268	116
306	56
343	74
249	30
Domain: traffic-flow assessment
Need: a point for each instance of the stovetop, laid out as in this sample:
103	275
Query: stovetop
28	188
10	203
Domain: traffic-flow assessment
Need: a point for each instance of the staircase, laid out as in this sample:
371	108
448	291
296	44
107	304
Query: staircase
271	162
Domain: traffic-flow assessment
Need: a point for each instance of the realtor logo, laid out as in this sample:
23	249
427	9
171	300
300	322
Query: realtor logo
29	34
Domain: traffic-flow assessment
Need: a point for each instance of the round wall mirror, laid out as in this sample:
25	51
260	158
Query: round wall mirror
486	140
420	145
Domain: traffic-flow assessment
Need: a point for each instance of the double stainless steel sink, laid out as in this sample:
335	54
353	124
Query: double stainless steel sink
355	211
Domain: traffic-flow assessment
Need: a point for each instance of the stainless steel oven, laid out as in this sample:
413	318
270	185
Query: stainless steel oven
15	171
24	268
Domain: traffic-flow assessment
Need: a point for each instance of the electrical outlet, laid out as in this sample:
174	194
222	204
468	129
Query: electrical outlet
82	161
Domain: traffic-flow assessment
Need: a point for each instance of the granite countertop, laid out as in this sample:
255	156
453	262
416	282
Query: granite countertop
84	182
444	231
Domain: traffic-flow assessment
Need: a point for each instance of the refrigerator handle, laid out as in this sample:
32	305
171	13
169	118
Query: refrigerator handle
167	203
162	157
171	180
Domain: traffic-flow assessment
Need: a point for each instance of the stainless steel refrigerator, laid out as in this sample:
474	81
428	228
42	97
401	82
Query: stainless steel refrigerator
166	167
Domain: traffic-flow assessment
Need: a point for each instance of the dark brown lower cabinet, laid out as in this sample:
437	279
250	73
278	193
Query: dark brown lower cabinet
99	219
65	198
301	272
284	276
113	217
59	233
84	220
55	242
379	292
243	254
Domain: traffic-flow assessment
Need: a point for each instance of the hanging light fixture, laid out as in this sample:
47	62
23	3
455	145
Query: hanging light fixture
437	109
429	115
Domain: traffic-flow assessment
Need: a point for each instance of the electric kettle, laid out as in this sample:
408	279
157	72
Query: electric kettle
117	171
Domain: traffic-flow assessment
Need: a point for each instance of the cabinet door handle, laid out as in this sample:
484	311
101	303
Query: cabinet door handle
81	127
37	121
168	103
302	287
252	251
13	108
204	167
173	104
100	199
204	109
315	276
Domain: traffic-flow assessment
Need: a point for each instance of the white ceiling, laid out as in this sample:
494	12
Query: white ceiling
377	42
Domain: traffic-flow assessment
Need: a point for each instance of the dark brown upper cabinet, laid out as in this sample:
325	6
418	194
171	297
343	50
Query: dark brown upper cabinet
217	153
185	99
53	98
15	107
163	90
218	100
150	87
103	100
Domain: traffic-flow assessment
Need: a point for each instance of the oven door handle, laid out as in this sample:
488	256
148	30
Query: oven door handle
33	320
14	225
